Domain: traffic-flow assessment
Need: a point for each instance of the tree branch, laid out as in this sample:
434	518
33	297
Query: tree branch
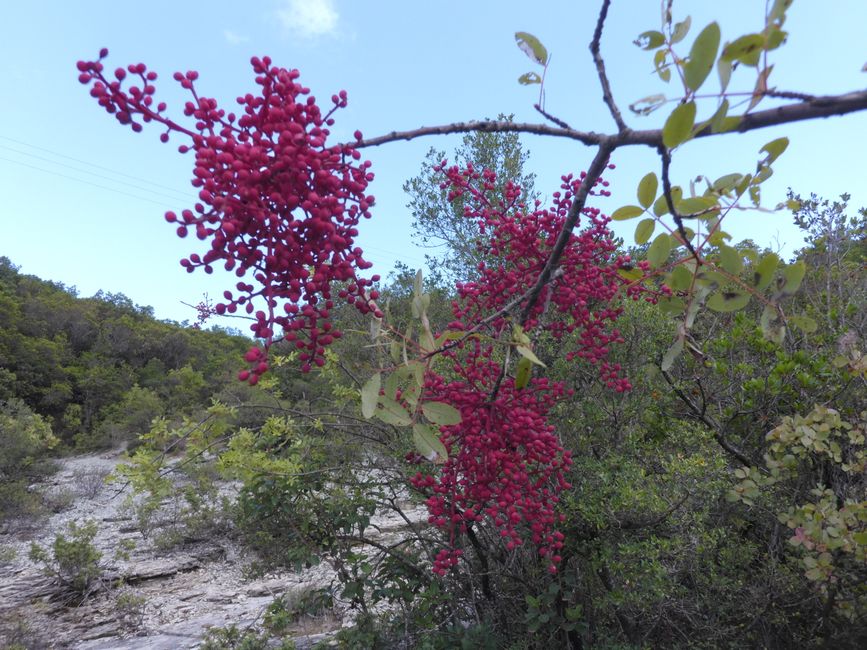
665	154
814	108
486	126
715	426
600	160
607	97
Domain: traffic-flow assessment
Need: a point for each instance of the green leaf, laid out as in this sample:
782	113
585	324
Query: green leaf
793	275
662	69
730	259
728	301
696	205
523	372
649	40
678	126
527	353
428	443
532	47
725	184
519	336
774	149
717	119
680	30
630	274
626	212
673	353
441	413
647	190
804	323
701	57
391	412
724	70
396	351
659	250
745	49
765	269
680	278
773	327
529	78
370	395
426	341
660	206
671	305
644	230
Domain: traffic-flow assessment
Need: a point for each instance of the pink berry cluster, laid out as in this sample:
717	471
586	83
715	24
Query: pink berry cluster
575	307
506	465
276	202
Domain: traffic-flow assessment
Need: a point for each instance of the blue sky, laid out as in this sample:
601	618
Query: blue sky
83	199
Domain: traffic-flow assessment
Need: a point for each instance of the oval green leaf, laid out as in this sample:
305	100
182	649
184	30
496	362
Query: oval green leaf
659	250
680	30
391	412
793	275
730	259
644	230
647	190
680	278
529	78
428	443
527	353
774	149
701	57
532	47
370	395
626	212
649	40
523	373
678	126
660	206
745	49
765	269
441	413
728	301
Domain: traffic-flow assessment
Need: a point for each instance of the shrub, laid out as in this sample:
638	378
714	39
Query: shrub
73	559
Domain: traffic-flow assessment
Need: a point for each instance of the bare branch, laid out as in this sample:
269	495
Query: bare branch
486	126
665	154
548	116
715	427
607	96
810	109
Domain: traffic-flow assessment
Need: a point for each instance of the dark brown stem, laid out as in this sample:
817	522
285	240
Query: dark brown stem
814	108
600	160
607	96
665	154
712	424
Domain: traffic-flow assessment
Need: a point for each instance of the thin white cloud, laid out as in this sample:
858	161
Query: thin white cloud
309	18
234	39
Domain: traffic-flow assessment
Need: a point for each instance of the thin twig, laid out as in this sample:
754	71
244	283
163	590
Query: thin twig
607	96
552	118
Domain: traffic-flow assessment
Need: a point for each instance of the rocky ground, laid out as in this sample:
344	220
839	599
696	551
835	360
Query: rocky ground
152	599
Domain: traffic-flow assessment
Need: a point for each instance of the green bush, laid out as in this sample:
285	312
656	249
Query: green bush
72	559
